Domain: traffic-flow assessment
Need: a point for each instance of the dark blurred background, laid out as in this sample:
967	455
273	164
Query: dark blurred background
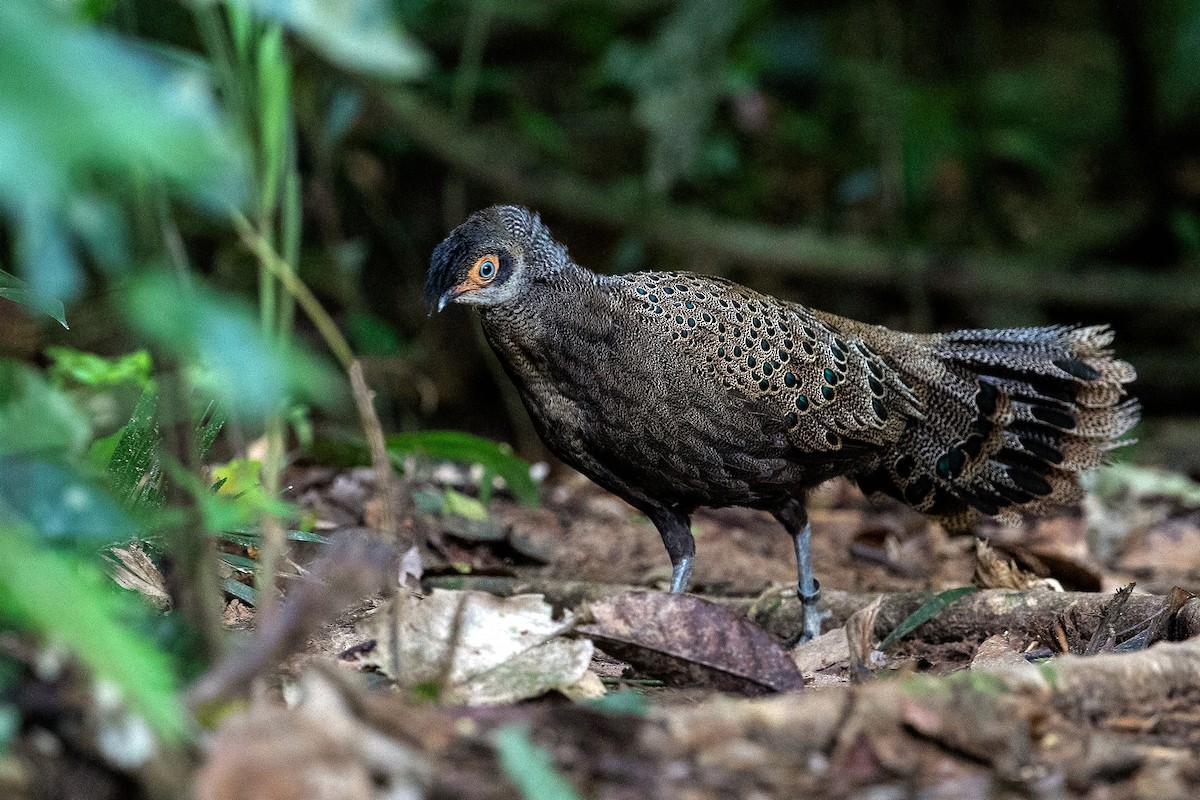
925	165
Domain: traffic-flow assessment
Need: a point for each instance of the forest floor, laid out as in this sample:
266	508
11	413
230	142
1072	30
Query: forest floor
1020	689
1046	681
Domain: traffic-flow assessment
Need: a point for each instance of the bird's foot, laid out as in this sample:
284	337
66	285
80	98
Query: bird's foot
681	573
811	616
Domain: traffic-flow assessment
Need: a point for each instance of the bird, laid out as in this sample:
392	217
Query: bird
677	391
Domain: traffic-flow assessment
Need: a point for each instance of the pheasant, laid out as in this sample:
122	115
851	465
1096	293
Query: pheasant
675	391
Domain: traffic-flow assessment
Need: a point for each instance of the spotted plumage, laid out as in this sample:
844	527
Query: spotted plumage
675	391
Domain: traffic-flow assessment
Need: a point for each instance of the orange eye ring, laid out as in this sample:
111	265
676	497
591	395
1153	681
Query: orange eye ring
486	269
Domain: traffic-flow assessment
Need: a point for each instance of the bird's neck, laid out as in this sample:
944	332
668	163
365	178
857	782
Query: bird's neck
565	274
548	295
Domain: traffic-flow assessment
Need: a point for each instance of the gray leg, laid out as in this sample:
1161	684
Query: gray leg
676	534
795	519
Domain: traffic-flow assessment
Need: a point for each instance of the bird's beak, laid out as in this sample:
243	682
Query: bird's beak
448	297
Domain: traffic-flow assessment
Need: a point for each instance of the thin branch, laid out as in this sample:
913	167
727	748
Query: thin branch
497	160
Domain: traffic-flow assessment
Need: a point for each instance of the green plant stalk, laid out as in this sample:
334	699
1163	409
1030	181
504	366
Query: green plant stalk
212	33
290	236
277	170
308	302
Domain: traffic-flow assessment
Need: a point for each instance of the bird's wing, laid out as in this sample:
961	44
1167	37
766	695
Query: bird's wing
821	385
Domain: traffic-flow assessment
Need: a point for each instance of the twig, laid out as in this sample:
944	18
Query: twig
385	476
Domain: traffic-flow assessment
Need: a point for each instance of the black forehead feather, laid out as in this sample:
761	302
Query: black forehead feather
445	266
452	258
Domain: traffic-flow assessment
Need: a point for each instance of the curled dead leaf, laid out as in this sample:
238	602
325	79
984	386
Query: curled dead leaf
686	640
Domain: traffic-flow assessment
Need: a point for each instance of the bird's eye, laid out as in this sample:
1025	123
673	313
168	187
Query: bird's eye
486	268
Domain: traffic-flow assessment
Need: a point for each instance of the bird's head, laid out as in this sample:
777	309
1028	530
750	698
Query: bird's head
491	258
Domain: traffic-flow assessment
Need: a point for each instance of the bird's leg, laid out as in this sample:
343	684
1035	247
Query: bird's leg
794	518
681	547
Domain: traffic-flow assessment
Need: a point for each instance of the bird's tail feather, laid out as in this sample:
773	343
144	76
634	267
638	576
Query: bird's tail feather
1011	418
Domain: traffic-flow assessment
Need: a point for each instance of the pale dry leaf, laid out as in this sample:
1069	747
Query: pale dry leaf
996	656
993	571
860	638
828	649
478	648
132	569
589	687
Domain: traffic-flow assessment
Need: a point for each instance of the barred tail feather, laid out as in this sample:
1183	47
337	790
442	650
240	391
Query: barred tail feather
1011	419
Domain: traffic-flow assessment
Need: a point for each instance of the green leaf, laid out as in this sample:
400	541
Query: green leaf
496	457
274	98
89	369
928	610
238	476
14	289
628	701
247	594
78	101
35	417
101	451
253	377
254	538
72	603
359	35
528	765
469	507
240	563
134	466
429	500
61	504
211	422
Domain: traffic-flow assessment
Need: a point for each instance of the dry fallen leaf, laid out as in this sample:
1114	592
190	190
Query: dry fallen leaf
685	640
860	640
132	569
479	649
411	569
996	656
994	571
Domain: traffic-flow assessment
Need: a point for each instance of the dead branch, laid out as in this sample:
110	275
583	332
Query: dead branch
970	618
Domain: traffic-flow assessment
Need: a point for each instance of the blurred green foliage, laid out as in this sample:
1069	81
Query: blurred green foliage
198	326
86	115
54	514
529	766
